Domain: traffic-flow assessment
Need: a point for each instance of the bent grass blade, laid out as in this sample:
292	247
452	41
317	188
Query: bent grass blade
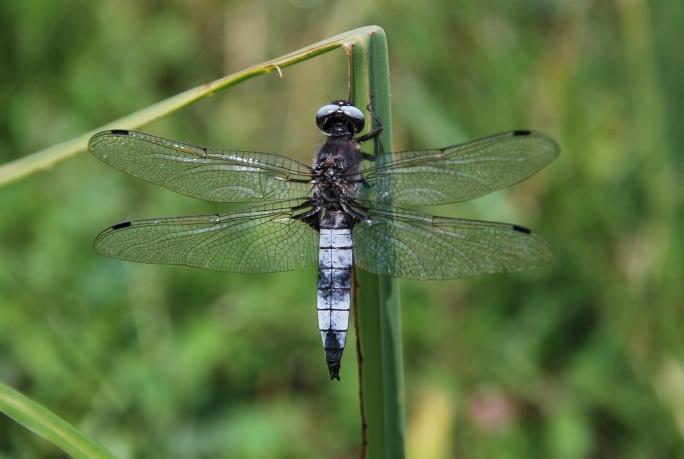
48	425
50	156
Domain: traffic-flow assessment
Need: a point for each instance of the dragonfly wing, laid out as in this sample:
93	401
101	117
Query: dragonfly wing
399	243
214	175
459	172
256	240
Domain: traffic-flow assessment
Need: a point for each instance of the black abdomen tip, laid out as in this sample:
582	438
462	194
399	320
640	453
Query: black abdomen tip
333	357
334	369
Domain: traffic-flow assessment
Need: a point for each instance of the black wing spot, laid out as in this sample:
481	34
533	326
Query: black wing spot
521	229
121	225
119	131
522	132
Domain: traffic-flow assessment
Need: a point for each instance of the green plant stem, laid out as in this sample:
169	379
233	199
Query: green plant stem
377	306
48	425
48	157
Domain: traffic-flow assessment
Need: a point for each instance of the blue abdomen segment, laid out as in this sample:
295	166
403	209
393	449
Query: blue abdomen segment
335	263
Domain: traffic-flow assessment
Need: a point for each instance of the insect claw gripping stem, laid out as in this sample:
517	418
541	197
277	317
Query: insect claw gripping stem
373	133
376	118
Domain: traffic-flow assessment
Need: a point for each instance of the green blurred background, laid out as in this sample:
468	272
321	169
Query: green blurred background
583	359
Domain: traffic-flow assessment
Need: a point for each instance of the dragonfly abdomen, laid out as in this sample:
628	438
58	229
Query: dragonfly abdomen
335	262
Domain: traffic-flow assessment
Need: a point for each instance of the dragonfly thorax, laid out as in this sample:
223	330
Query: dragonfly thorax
336	166
330	189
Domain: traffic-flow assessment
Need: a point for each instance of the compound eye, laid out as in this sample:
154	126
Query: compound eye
353	112
323	116
325	111
356	116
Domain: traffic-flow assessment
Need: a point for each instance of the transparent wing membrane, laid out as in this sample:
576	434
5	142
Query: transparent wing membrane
400	243
214	175
459	172
271	238
256	240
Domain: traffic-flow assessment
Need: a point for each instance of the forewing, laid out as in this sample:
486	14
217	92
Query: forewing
459	172
256	240
214	175
399	243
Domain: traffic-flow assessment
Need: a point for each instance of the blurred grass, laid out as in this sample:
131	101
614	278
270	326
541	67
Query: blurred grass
580	360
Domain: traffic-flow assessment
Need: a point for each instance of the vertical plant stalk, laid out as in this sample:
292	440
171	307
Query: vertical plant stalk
377	309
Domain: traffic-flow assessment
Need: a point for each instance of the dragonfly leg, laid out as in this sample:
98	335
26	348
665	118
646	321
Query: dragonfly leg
367	156
353	212
310	217
373	133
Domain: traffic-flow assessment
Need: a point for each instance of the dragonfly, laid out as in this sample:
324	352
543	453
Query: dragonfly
345	210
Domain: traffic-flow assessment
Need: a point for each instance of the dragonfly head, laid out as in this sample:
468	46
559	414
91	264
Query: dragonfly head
340	118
